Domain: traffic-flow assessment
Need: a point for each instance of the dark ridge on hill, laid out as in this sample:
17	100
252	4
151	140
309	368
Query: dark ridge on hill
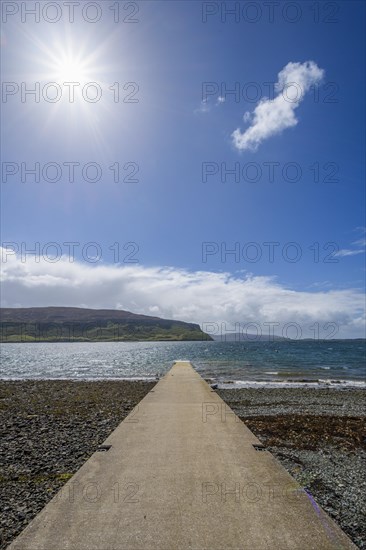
58	314
65	324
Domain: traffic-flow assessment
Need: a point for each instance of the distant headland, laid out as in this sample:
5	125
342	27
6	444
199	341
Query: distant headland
74	324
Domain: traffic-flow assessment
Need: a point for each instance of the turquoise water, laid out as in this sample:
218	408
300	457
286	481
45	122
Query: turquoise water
331	362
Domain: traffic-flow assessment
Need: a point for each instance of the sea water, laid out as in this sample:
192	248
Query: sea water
336	363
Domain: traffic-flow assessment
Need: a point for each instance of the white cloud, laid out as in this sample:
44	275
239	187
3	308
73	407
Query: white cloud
247	116
347	252
206	105
199	296
360	242
272	116
360	245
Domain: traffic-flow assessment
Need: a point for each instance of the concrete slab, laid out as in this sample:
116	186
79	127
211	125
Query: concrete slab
182	473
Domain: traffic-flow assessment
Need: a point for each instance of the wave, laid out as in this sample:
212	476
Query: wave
319	383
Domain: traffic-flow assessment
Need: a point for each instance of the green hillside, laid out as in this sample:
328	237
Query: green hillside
63	324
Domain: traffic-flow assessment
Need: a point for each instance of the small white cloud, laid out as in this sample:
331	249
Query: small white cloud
347	252
247	116
360	242
204	107
321	284
360	245
272	116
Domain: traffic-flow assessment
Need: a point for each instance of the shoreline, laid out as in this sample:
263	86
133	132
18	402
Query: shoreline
49	428
228	384
321	383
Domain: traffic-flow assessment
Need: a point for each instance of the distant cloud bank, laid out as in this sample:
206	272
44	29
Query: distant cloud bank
199	296
272	116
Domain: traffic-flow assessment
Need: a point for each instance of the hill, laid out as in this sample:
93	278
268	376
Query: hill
65	324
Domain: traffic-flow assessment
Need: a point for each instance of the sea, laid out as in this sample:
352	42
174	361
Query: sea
291	363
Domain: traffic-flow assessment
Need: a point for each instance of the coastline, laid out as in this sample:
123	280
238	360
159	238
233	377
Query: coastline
50	427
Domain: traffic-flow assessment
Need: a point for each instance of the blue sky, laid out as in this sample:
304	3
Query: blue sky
169	54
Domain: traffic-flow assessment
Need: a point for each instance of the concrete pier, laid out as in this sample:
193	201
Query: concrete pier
182	472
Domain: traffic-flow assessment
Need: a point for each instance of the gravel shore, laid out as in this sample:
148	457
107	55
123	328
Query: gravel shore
319	436
49	428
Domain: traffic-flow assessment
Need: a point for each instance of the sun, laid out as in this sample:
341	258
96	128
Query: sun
72	72
70	69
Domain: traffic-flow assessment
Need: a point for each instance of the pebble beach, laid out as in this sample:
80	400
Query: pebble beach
319	436
50	428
